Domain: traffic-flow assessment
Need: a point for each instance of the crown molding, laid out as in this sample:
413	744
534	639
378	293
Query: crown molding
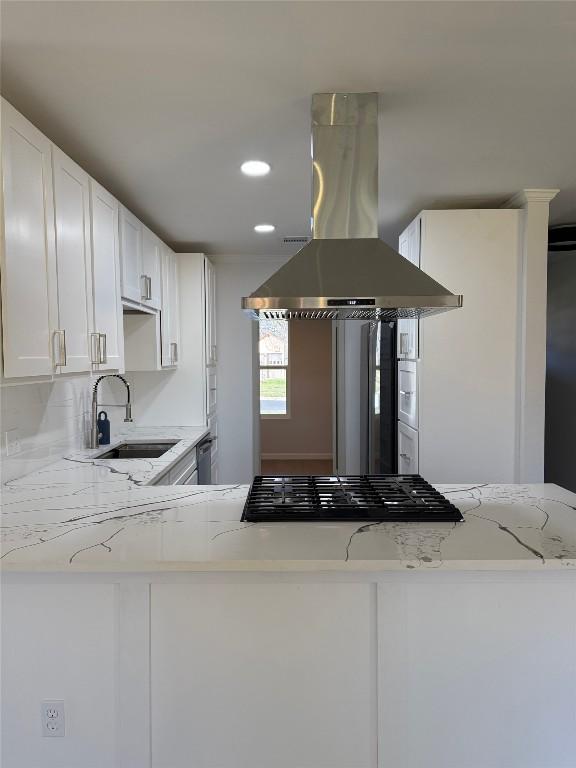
226	258
525	196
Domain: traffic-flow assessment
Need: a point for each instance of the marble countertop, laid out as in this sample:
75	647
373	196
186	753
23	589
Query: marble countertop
137	471
86	514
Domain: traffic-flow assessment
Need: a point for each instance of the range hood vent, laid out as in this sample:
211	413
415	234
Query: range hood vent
345	272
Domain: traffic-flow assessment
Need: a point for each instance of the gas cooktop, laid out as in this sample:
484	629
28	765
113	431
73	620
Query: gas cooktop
381	498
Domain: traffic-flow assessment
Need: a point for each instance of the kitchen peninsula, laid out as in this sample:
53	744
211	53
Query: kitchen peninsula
198	637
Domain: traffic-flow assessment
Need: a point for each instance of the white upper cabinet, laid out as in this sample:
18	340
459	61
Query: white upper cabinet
408	330
131	257
108	335
74	265
170	314
71	256
210	312
28	259
151	270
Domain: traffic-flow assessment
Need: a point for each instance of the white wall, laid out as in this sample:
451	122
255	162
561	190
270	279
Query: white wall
237	276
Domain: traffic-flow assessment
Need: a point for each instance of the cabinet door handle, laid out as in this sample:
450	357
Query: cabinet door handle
174	352
95	348
149	287
404	343
62	357
406	457
144	287
103	353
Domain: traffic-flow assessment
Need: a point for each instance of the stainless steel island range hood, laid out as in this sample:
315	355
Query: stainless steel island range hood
345	271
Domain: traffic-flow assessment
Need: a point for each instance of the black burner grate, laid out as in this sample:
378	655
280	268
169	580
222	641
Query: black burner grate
385	498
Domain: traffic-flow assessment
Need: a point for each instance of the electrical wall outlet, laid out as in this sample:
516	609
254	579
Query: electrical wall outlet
52	714
12	442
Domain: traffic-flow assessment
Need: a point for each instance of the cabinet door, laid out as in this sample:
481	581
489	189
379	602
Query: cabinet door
151	280
210	312
131	256
408	330
73	263
407	450
28	259
408	393
167	313
174	309
108	337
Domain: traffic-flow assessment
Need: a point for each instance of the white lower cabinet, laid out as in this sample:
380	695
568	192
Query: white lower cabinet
407	450
262	675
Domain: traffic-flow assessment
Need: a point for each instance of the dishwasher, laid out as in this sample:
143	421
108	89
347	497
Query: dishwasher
204	461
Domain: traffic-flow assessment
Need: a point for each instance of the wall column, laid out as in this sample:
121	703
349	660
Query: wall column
531	354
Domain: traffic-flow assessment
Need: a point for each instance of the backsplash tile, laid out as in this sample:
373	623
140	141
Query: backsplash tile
51	419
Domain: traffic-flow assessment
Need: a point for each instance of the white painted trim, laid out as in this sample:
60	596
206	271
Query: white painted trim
222	258
296	456
520	199
531	353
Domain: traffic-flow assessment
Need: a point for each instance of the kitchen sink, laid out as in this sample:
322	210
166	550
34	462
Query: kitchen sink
138	450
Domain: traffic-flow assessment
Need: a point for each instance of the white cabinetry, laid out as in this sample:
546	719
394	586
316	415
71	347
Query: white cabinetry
210	293
408	463
47	308
150	277
409	247
74	265
71	255
170	313
108	336
211	355
140	261
29	291
131	256
466	375
408	393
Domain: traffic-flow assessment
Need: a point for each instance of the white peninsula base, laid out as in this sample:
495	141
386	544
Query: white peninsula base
414	664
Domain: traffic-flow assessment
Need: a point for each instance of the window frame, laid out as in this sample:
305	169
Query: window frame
286	368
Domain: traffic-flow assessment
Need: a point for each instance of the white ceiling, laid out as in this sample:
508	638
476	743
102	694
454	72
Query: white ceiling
162	101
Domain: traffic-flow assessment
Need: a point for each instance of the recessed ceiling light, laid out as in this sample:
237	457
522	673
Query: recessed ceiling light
255	168
264	228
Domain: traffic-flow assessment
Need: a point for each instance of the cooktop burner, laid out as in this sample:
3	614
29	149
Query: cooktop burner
384	498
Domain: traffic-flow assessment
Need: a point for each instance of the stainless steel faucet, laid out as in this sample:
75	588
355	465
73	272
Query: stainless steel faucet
94	434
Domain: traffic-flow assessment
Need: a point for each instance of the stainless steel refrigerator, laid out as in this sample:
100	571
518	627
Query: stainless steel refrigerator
378	402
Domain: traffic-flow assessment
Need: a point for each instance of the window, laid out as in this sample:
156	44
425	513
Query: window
273	351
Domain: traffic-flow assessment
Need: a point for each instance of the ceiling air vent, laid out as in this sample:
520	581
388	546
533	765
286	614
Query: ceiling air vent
295	240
